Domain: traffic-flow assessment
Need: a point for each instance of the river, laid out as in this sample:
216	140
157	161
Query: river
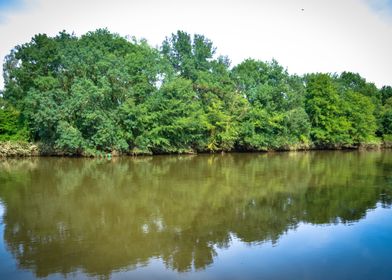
300	215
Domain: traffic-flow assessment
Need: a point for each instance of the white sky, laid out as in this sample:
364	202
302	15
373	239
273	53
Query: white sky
327	36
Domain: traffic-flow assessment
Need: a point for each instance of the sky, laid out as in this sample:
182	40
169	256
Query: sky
303	35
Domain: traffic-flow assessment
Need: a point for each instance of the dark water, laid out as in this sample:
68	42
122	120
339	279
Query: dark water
316	215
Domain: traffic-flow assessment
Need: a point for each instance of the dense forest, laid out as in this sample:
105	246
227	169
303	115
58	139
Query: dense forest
102	93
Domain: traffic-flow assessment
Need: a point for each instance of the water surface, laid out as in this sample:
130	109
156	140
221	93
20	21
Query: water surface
315	215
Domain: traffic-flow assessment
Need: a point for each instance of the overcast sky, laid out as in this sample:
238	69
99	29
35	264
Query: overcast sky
303	35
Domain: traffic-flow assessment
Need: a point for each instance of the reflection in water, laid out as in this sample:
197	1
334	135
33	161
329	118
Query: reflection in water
63	215
1	212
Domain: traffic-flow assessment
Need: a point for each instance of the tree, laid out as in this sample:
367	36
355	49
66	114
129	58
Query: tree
359	111
325	109
386	93
11	125
171	120
186	55
387	117
69	89
349	81
276	118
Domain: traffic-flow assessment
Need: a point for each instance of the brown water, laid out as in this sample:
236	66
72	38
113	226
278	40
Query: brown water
315	215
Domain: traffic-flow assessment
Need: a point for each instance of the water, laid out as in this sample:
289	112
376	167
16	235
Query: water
315	215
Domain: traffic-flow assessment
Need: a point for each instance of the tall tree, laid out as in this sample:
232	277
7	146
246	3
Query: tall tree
386	93
188	55
277	118
326	111
349	81
171	120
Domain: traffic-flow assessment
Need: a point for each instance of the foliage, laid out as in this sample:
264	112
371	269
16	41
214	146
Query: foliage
325	110
359	111
386	93
102	93
11	125
387	116
277	118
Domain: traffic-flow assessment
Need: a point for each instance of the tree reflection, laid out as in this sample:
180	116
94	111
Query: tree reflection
99	216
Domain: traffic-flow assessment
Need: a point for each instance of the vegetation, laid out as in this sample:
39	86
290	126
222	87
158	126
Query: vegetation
18	149
103	93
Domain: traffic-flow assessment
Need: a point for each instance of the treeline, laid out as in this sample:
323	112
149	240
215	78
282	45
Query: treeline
103	93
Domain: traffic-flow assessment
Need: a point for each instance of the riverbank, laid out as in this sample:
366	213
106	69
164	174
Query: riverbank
25	149
18	149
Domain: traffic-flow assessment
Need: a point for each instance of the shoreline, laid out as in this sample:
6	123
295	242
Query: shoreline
10	149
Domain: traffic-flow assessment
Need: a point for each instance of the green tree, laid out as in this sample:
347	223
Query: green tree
349	81
70	89
387	117
330	126
277	118
386	93
223	105
188	55
11	125
359	111
171	120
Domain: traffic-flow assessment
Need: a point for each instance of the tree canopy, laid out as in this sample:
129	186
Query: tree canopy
102	92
